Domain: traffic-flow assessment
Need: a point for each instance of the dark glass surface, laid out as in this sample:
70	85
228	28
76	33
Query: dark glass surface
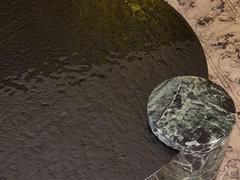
75	77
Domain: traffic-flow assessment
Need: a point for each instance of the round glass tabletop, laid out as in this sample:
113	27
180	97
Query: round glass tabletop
75	77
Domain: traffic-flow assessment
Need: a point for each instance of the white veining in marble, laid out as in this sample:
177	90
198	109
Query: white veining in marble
217	24
194	116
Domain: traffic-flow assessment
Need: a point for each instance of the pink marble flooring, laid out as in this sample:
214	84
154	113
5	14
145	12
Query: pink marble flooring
217	24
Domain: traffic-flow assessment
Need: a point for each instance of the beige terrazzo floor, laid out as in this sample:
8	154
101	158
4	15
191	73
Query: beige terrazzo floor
217	24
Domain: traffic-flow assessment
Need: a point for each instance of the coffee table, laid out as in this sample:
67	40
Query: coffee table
75	77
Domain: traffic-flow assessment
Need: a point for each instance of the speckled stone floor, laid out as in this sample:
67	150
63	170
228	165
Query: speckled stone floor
217	24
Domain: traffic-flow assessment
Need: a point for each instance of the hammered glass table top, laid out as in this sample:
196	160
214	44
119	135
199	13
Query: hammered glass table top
75	77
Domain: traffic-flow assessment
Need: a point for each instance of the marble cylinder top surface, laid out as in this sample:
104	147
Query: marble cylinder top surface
195	116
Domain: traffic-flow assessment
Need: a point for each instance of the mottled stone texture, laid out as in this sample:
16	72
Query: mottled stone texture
220	38
195	116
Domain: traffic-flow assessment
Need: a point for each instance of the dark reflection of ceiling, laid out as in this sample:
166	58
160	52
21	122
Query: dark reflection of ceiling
75	77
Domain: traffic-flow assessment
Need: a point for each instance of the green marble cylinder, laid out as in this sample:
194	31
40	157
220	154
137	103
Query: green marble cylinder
194	116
